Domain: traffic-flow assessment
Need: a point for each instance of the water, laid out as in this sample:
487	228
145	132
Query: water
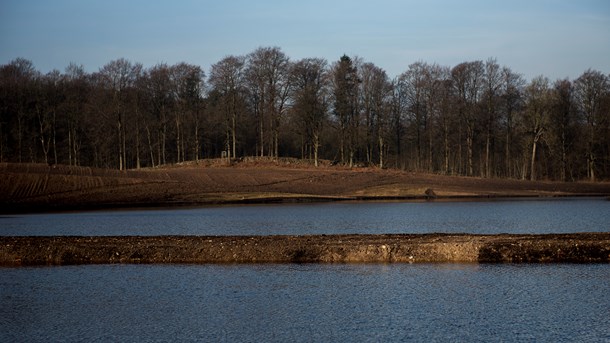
306	303
312	302
486	217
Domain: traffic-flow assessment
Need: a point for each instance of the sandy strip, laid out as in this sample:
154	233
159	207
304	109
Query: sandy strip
394	248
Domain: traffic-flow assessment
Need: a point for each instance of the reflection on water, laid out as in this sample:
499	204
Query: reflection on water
508	216
323	303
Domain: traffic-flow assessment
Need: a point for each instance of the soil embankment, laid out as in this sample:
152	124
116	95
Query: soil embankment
403	248
39	187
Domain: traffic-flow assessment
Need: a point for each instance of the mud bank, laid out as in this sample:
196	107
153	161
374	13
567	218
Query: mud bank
444	248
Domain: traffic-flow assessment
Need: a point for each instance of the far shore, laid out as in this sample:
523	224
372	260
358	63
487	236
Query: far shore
31	188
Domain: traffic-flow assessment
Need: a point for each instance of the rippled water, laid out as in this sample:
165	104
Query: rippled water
302	303
312	302
506	216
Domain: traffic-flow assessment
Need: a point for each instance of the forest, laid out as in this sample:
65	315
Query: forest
477	118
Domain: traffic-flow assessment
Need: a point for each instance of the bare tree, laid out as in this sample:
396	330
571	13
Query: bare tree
268	72
468	81
493	83
433	83
345	95
590	90
187	87
473	119
227	77
160	105
398	109
536	115
310	81
49	97
77	89
17	79
375	100
118	77
413	80
562	123
512	102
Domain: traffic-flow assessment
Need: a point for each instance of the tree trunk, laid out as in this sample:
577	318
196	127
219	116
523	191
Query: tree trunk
537	136
54	137
381	146
591	166
19	136
138	165
316	144
1	144
197	138
487	148
178	143
469	143
446	149
509	172
233	134
69	144
533	161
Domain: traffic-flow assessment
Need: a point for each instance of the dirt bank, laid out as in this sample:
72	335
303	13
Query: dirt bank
572	248
39	187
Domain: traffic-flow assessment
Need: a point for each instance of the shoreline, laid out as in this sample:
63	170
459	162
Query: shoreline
29	208
18	251
34	188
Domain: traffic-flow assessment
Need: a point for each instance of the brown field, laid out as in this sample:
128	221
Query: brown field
40	187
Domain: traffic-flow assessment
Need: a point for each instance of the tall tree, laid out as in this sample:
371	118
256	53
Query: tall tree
562	124
345	95
227	77
590	90
49	97
433	83
17	83
536	115
493	83
398	109
160	106
77	89
413	80
268	70
118	77
511	103
187	87
468	83
310	98
375	100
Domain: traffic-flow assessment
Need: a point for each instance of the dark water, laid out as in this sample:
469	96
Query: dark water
306	303
506	216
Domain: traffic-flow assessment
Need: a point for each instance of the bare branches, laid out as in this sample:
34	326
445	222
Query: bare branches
477	118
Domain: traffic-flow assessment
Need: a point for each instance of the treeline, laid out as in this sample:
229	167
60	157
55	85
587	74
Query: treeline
477	118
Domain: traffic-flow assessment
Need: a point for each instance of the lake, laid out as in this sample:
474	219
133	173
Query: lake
306	303
562	215
312	302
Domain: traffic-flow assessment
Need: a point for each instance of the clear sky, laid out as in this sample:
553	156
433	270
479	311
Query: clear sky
556	38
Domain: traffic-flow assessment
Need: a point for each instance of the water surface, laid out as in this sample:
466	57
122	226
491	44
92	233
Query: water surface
486	217
306	303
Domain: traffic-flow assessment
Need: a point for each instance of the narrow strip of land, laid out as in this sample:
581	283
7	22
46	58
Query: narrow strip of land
391	248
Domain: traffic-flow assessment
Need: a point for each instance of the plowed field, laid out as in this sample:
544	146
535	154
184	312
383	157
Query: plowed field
40	187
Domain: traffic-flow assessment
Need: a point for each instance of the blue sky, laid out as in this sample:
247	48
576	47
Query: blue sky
556	38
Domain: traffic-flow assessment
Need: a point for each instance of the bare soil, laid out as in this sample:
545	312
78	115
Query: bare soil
40	187
427	248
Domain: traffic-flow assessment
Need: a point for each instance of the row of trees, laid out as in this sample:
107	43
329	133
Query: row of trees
477	118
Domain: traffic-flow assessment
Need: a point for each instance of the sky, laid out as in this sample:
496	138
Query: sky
554	38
